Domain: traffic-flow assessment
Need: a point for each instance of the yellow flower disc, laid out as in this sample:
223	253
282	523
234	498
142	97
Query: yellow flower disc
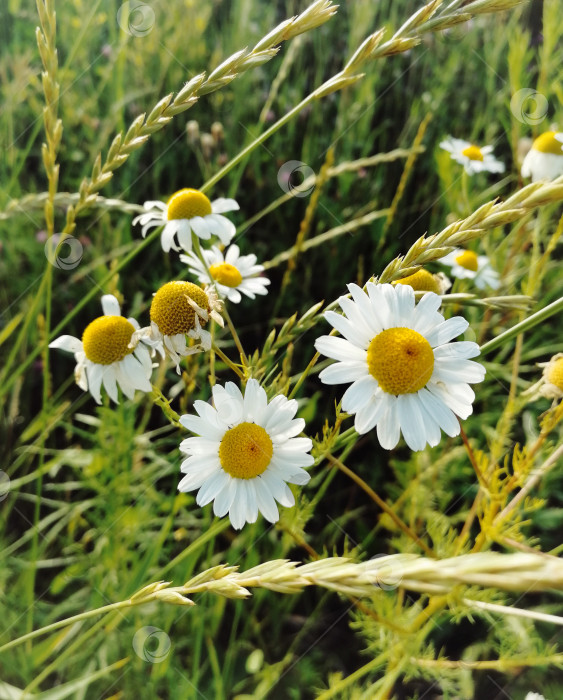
171	310
106	339
468	260
422	281
245	451
187	203
547	143
555	373
401	360
472	152
226	274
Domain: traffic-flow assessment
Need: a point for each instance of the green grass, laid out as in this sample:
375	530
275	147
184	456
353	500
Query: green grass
93	514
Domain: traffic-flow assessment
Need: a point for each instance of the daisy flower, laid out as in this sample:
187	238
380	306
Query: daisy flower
246	453
544	161
180	310
424	281
473	158
466	264
188	211
109	354
232	274
551	384
407	377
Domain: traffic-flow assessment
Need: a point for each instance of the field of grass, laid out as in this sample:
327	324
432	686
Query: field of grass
331	147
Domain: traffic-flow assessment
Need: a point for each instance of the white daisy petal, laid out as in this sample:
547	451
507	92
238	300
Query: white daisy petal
422	386
68	343
110	305
244	453
222	205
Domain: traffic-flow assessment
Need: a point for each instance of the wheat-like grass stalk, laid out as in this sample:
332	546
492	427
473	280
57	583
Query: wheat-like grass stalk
490	215
519	572
143	127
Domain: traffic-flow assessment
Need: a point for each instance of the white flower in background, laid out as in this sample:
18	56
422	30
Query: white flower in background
179	311
473	158
424	281
406	376
534	696
246	453
109	354
544	161
231	274
466	264
188	211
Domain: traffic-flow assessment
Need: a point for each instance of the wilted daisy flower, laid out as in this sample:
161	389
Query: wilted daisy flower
407	377
231	274
473	158
544	161
466	264
186	211
246	453
551	383
424	281
180	310
109	354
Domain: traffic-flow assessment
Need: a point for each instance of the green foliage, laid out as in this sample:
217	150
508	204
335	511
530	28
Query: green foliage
92	513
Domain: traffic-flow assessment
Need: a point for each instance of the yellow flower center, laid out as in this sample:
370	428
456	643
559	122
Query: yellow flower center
421	281
472	152
171	310
187	203
555	374
547	143
468	260
401	360
226	274
245	451
106	339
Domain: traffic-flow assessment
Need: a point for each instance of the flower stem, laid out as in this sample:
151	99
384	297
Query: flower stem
523	326
228	362
381	503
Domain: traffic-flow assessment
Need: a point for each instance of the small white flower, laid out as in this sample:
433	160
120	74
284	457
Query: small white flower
188	211
109	354
466	264
246	453
180	310
231	274
544	161
534	696
473	158
407	377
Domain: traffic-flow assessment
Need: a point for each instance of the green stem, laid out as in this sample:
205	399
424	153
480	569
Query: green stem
68	621
257	142
228	362
523	326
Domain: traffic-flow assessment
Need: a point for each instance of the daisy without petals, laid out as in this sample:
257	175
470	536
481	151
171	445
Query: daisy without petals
424	281
407	377
473	158
246	453
466	264
109	354
180	310
188	211
231	274
544	161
